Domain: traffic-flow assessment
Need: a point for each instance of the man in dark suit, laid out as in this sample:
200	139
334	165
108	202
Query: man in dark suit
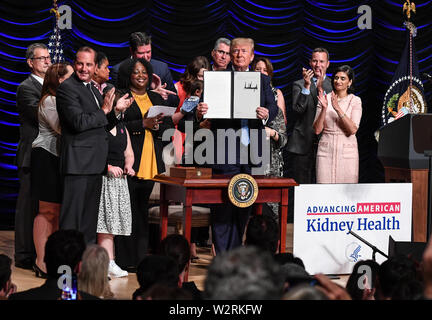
28	96
63	248
228	221
302	143
84	119
221	54
162	82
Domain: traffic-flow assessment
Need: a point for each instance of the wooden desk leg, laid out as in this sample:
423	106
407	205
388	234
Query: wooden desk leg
187	222
163	212
258	208
283	216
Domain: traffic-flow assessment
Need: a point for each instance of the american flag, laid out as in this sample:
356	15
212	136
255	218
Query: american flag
402	112
55	47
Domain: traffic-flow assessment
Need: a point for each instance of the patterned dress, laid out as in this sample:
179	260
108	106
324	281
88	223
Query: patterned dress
115	215
276	157
337	157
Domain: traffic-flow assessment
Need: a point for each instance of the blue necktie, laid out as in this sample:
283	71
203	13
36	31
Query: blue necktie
244	132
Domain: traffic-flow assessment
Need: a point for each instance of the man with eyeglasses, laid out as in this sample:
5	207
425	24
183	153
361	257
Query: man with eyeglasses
27	98
221	54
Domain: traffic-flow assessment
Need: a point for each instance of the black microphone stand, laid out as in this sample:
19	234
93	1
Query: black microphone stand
374	249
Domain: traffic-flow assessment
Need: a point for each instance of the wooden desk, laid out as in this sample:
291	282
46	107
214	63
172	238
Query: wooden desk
214	191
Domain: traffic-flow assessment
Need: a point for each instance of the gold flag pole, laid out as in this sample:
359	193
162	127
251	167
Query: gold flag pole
409	7
54	10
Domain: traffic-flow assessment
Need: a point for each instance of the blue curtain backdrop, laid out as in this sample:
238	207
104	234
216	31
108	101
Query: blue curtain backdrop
284	31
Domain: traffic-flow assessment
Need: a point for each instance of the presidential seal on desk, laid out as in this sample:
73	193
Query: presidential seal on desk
242	190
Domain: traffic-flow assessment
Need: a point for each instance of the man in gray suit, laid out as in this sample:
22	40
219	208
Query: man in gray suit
303	142
27	97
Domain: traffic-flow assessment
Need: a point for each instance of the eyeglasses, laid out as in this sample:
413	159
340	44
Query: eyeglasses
42	58
221	52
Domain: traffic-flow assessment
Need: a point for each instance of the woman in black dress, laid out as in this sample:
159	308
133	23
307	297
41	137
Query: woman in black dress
146	138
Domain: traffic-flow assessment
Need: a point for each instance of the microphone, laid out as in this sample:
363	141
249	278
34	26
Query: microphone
427	75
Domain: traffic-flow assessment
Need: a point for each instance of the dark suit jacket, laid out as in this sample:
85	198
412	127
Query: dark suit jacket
48	291
133	121
159	68
28	96
304	106
84	141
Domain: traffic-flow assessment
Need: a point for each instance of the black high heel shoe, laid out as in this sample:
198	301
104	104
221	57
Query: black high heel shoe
38	272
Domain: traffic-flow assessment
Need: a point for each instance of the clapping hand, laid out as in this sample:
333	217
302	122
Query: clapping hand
307	77
322	100
123	103
108	101
334	101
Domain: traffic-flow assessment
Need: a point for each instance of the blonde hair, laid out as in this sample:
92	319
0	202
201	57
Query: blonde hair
93	276
248	41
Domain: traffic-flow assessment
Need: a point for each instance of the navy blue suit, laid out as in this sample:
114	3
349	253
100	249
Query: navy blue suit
159	68
228	221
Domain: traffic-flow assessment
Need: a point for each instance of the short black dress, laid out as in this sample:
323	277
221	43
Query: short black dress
46	182
115	215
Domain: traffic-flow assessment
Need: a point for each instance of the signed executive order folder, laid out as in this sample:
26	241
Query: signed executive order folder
232	94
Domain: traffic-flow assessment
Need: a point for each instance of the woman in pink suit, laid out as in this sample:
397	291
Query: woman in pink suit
338	118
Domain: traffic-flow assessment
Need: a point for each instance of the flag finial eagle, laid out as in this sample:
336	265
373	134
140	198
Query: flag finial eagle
408	7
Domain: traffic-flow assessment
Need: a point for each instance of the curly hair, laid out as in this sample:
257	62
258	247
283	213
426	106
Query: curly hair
125	72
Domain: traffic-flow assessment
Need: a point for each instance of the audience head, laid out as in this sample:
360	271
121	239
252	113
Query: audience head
164	292
196	89
92	277
85	63
63	247
102	71
263	232
140	45
393	272
263	65
135	74
295	275
244	273
156	269
38	59
343	79
5	276
221	54
288	257
242	53
177	247
194	71
304	292
56	74
320	61
364	275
